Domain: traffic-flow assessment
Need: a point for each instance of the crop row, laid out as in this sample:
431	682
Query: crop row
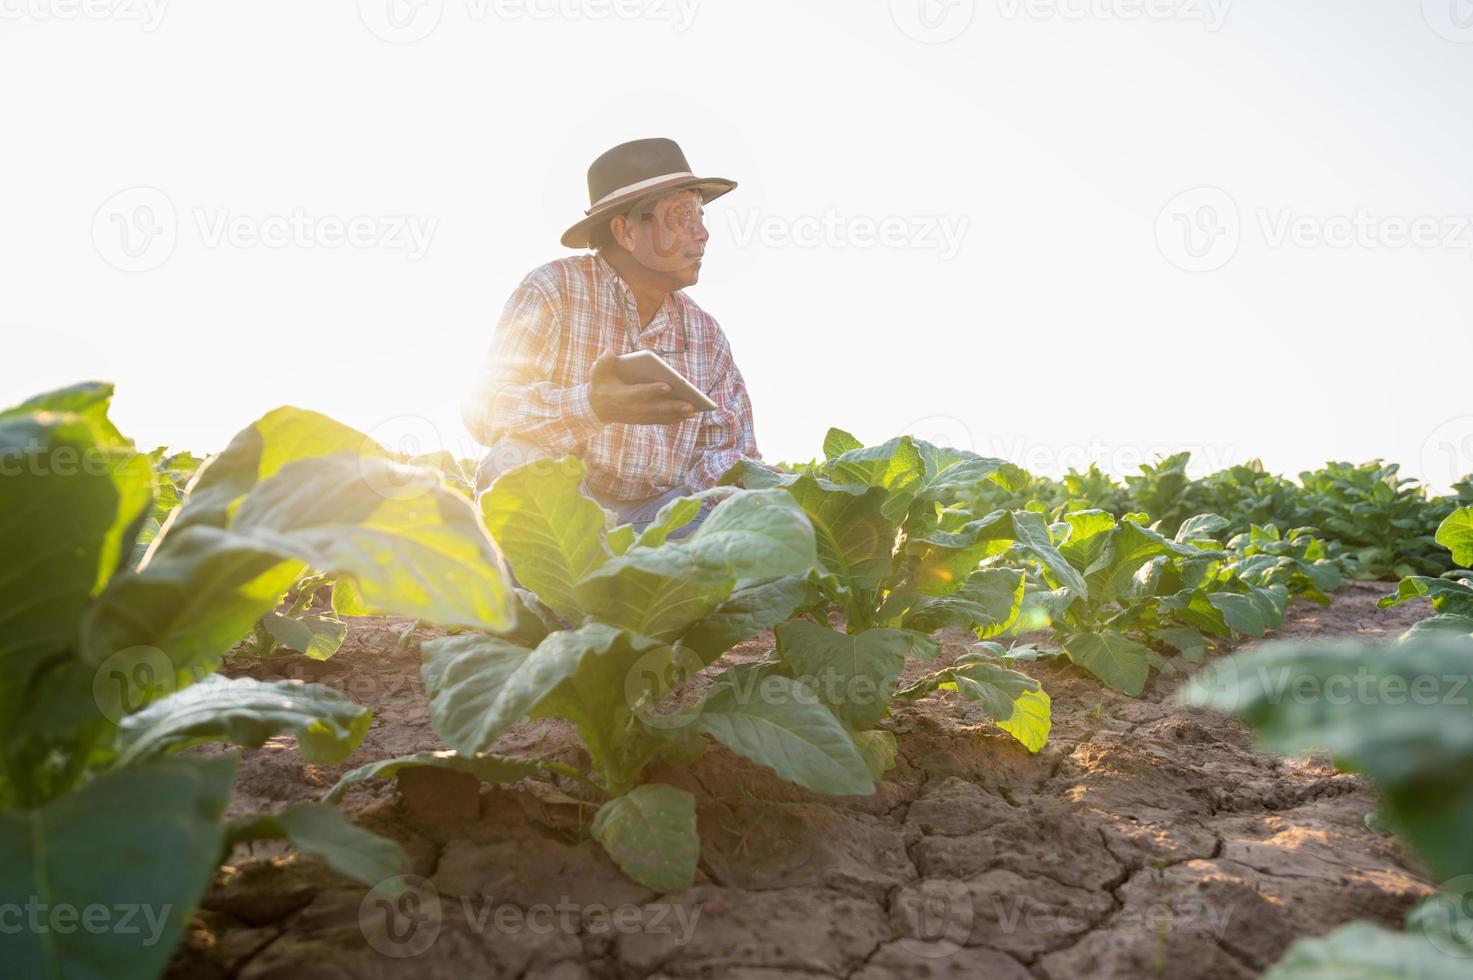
133	579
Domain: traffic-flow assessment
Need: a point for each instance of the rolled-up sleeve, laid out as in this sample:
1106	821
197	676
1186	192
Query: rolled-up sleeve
727	435
512	396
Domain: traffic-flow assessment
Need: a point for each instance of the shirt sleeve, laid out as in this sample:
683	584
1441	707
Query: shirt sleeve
513	395
726	435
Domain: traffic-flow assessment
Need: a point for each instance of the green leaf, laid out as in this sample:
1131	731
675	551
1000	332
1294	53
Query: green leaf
258	452
1121	663
1396	712
672	517
751	608
318	637
854	540
853	674
469	682
246	712
755	534
878	748
658	592
1361	951
1447	595
1456	535
486	768
73	493
1184	640
988	604
779	723
1017	703
552	534
837	442
316	828
1090	532
894	466
1201	528
650	832
947	471
147	837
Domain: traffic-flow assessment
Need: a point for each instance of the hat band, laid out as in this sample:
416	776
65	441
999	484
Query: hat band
638	186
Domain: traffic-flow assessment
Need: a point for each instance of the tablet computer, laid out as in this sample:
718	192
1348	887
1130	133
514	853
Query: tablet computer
646	367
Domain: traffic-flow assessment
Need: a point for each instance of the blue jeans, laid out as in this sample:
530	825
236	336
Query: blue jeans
510	453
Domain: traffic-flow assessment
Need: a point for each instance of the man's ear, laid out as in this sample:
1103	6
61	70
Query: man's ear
622	231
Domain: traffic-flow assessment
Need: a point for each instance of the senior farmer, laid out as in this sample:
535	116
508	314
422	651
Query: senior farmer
548	387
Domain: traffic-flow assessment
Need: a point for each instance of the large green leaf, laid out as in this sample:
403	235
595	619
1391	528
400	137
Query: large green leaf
315	636
948	471
987	603
1398	713
140	842
755	534
246	712
1016	702
650	832
779	723
1117	660
751	608
853	674
1456	535
552	534
72	495
658	592
258	452
894	466
479	686
1447	595
1362	951
836	442
315	828
855	541
204	587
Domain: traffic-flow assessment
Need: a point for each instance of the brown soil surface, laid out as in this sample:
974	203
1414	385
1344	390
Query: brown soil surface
1146	840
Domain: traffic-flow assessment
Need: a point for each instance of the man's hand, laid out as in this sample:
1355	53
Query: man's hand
645	404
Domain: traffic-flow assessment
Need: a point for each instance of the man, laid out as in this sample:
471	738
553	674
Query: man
548	387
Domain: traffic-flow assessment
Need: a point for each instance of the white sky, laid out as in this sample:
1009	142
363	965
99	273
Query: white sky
1054	325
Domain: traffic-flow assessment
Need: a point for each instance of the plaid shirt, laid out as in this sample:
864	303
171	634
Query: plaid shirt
534	384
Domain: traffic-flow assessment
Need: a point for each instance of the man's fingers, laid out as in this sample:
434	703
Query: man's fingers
647	391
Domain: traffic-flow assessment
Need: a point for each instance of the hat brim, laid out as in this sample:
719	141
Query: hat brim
710	187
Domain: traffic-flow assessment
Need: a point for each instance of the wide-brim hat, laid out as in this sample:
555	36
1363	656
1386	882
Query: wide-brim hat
633	171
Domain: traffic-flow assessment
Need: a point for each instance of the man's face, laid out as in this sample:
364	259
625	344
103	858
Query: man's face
669	237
